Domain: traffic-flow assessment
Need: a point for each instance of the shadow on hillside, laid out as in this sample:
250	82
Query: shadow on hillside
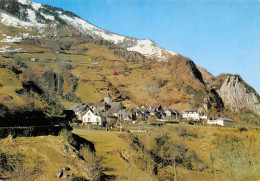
79	142
108	169
108	177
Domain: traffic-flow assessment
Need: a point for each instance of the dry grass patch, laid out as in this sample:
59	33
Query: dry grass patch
107	144
38	158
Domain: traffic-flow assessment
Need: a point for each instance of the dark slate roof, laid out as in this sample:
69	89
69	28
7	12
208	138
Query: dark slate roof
192	111
116	105
126	112
172	111
114	110
94	112
143	110
108	114
136	111
82	107
151	110
123	111
104	104
78	107
156	107
72	108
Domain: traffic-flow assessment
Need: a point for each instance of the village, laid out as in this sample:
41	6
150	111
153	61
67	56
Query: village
109	113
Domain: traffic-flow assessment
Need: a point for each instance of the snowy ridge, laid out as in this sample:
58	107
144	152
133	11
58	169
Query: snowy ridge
150	49
14	21
36	6
89	29
144	46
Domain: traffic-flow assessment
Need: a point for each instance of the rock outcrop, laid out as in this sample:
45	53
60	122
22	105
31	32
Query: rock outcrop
235	93
206	75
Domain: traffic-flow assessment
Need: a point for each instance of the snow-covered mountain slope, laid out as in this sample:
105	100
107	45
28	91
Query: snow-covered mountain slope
25	13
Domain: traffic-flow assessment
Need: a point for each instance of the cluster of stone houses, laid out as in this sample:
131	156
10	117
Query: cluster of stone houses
108	111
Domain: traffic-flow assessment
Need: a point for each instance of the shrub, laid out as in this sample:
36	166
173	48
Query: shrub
68	136
76	178
182	132
242	129
92	161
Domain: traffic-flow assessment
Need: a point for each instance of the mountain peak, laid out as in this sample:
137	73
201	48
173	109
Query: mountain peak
35	6
30	14
25	2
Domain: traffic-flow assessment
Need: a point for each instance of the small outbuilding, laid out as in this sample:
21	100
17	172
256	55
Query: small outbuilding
222	122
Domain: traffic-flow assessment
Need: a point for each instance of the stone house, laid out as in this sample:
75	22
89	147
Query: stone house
136	114
157	111
171	113
109	119
124	115
114	111
103	106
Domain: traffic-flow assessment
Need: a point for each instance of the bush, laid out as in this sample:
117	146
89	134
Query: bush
75	178
182	132
242	129
92	161
68	136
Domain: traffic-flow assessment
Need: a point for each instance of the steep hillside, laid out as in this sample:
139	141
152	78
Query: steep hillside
52	59
178	152
83	70
41	158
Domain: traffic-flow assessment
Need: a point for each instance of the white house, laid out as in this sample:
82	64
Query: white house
195	115
92	118
191	115
222	122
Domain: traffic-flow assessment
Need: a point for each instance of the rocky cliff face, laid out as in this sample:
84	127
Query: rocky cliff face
206	75
236	94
